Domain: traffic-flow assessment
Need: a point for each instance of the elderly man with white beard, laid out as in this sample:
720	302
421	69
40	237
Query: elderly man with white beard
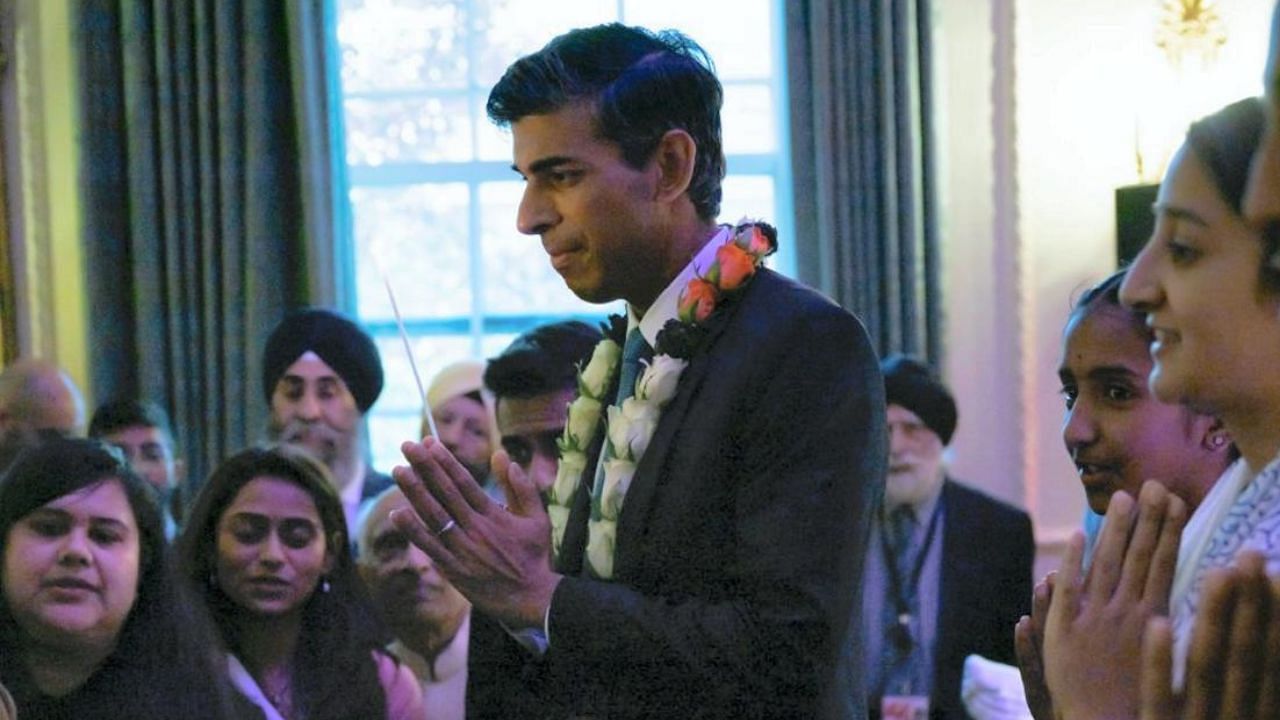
320	374
948	567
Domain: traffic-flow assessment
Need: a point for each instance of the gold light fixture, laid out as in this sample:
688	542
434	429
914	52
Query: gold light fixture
1190	30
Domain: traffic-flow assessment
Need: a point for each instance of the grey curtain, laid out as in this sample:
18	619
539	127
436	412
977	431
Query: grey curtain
208	201
862	163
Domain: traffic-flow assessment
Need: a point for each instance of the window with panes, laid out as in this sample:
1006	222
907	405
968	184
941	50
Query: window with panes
431	194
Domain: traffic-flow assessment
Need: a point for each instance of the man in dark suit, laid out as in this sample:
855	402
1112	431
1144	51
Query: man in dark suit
948	568
710	564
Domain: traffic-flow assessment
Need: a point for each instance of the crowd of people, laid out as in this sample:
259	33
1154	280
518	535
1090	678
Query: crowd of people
636	521
257	597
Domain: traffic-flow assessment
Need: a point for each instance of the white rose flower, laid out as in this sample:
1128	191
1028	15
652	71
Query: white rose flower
618	432
559	520
601	538
658	383
596	375
637	410
641	420
568	475
617	479
584	416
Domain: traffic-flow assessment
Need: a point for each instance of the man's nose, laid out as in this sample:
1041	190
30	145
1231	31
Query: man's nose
449	433
536	213
308	406
897	439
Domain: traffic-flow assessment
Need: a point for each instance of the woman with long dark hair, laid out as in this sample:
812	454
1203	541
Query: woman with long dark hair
266	547
93	623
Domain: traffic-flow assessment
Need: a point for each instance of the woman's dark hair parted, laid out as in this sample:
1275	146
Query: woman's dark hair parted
1226	142
334	674
162	665
642	85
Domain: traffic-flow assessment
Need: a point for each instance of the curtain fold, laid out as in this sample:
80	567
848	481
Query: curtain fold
862	164
205	202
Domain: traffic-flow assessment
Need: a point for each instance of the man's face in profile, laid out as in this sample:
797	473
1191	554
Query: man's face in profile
592	210
529	427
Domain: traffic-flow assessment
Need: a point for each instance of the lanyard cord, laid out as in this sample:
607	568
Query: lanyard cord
900	603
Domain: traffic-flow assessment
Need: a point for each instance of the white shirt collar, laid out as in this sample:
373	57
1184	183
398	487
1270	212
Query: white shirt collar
923	509
451	660
666	306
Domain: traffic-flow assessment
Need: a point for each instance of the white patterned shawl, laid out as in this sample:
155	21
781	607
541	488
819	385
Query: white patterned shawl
1240	513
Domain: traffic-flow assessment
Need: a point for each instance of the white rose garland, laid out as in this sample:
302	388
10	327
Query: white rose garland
579	429
632	423
630	428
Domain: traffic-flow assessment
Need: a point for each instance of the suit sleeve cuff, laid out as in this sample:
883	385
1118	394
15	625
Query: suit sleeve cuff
536	641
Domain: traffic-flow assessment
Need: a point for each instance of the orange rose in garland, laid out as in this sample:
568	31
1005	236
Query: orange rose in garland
732	267
697	301
759	240
736	261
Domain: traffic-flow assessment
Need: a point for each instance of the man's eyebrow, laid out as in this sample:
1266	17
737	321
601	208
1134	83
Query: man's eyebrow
544	164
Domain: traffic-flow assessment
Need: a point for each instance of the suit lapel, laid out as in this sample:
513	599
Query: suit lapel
649	473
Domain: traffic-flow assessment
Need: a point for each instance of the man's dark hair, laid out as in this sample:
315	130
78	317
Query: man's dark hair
641	84
117	415
541	360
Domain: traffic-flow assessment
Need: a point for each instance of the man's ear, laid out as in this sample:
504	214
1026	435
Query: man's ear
674	159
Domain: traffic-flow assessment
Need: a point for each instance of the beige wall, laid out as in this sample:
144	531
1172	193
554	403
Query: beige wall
1041	103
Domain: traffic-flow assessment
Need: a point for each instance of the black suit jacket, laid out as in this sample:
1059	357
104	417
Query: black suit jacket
987	554
740	546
